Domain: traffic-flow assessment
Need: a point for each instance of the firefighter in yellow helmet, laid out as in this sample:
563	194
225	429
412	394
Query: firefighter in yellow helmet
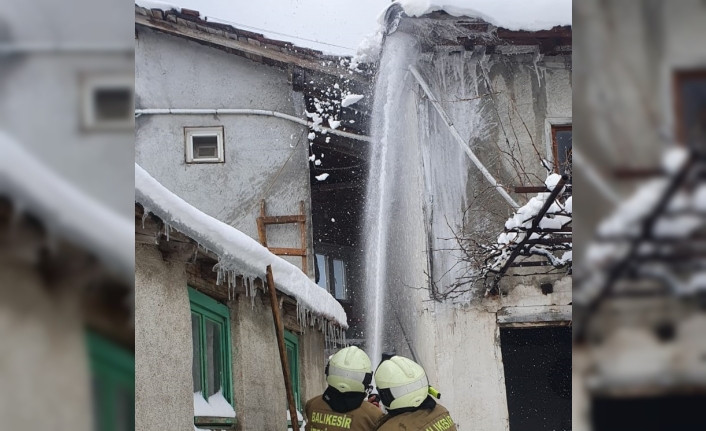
342	406
405	393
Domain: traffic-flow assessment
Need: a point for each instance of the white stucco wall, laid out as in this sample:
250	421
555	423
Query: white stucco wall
44	365
41	104
163	346
163	349
172	72
458	340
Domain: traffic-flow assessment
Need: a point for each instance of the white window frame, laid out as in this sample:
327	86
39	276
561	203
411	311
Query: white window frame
89	84
190	132
548	124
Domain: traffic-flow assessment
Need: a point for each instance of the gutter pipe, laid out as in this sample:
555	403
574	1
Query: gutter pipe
262	112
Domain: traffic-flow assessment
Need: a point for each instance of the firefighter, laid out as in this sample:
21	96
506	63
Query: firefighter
342	406
405	393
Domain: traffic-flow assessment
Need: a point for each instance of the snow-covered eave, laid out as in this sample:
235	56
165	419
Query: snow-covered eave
238	254
66	212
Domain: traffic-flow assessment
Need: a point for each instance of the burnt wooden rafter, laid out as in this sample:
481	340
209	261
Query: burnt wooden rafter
519	249
682	253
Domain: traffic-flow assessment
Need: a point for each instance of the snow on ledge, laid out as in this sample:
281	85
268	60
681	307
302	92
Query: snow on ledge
64	210
238	253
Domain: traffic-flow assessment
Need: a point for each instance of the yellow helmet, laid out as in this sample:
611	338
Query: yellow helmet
401	383
349	370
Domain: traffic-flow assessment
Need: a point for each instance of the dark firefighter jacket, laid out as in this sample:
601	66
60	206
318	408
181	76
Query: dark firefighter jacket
436	418
320	417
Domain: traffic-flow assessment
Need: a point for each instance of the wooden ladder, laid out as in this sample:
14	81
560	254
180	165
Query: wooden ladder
300	219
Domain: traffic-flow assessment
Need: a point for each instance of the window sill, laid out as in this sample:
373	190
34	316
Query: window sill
212	422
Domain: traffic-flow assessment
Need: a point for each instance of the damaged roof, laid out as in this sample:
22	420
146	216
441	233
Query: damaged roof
189	24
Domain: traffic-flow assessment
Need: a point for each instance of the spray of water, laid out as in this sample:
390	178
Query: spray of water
384	166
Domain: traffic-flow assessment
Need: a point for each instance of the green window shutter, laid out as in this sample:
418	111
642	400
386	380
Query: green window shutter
113	381
210	325
291	342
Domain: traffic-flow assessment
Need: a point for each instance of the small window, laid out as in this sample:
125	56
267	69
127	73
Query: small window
113	381
321	271
210	332
108	103
331	275
691	107
561	146
204	144
339	279
291	342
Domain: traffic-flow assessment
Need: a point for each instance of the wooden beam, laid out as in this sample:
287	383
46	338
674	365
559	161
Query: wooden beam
282	251
303	234
284	219
177	251
530	264
531	189
551	314
624	173
274	305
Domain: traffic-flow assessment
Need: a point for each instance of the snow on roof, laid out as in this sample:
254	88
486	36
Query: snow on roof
156	4
64	210
238	253
509	14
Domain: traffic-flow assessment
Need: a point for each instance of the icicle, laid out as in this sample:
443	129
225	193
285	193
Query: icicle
144	217
167	228
252	297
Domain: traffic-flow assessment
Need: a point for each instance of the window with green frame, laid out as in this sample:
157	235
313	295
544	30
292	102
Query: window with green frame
291	342
210	330
113	381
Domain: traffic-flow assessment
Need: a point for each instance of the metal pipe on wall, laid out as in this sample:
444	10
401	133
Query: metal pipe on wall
176	111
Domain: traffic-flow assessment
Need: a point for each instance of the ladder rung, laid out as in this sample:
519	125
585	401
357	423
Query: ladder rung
287	251
284	219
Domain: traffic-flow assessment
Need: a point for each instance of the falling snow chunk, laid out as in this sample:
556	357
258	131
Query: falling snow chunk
322	177
333	220
351	99
311	136
328	139
238	254
312	158
333	123
317	162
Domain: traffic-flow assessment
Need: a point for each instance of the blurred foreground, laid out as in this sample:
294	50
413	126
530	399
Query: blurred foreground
66	232
639	169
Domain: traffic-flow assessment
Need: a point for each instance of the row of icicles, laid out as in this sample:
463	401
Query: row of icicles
334	335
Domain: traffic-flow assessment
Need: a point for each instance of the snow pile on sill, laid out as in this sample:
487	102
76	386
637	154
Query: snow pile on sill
216	406
64	210
238	253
